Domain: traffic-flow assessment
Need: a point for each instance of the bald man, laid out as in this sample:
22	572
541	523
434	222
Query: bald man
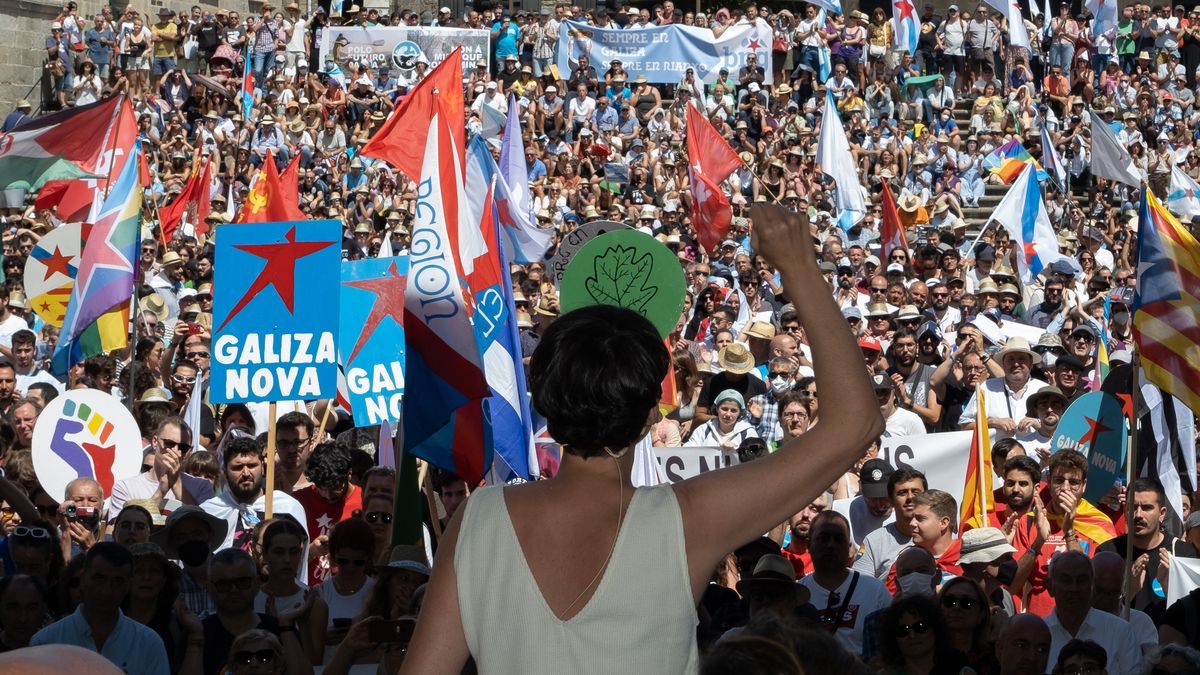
56	660
1108	574
1024	646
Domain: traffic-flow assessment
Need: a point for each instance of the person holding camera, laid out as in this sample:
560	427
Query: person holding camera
80	515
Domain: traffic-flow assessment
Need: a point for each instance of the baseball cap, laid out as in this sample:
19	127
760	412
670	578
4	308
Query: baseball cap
875	473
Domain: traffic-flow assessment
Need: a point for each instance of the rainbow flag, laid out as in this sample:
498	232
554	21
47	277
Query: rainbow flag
104	284
1008	160
977	490
1166	302
1102	367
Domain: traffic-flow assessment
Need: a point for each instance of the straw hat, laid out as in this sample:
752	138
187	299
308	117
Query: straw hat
910	203
1018	345
17	299
155	304
171	258
736	358
878	310
761	330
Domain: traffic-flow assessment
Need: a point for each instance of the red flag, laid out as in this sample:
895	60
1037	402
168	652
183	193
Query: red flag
891	231
400	140
668	402
269	199
711	212
144	170
290	179
191	206
709	152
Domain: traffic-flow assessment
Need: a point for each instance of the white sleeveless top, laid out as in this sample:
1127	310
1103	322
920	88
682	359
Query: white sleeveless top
641	618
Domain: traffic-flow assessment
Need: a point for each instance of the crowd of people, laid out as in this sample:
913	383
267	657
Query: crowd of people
178	570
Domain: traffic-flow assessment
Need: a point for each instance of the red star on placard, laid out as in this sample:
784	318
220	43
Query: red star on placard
389	302
1126	405
280	270
906	9
754	45
1095	428
57	262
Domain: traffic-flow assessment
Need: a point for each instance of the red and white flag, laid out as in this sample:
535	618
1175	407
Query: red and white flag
191	207
712	162
891	231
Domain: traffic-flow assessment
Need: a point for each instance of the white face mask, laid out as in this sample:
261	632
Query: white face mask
780	384
916	583
1049	359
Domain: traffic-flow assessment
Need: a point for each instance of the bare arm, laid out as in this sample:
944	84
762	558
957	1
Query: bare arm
438	644
772	489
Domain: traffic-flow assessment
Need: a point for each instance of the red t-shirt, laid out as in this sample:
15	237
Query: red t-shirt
802	561
322	516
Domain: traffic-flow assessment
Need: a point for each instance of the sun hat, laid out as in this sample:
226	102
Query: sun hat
736	359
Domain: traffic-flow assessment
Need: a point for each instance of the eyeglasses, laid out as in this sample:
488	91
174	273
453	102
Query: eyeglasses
289	443
171	445
347	562
941	295
235	584
184	379
197	355
794	415
898	257
879	290
904	629
956	601
24	531
262	656
378	516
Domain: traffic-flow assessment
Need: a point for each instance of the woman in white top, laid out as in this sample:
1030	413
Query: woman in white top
542	578
88	86
726	430
284	543
352	550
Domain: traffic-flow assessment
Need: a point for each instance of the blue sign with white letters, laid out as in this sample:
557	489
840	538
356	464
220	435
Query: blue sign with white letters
372	337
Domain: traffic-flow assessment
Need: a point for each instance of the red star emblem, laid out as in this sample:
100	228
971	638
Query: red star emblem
1095	428
1030	251
754	45
57	262
45	306
389	302
1126	405
280	270
906	9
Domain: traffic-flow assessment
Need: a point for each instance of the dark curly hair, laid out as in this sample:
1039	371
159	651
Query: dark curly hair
239	446
329	463
931	615
595	377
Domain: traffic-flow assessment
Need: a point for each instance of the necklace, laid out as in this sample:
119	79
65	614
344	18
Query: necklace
616	535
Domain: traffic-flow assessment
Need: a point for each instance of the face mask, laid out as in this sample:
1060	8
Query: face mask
193	553
916	583
1049	359
780	384
1006	572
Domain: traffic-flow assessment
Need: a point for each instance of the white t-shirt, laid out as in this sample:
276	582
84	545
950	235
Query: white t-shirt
862	521
9	326
142	486
870	596
903	423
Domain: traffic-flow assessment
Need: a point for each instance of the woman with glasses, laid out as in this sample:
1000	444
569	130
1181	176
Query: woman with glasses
352	552
283	546
256	652
913	639
377	512
968	622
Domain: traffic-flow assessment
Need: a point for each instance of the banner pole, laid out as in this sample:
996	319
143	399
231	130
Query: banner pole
324	419
270	468
435	525
1135	397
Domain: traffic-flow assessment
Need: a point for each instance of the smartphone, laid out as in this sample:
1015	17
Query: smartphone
396	631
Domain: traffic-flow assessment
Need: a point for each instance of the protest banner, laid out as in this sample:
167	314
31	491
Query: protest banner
664	53
271	342
50	272
1184	577
676	464
629	269
400	47
1095	425
371	339
573	241
941	457
85	433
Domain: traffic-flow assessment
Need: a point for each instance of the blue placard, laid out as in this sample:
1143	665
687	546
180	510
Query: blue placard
372	337
275	306
1095	426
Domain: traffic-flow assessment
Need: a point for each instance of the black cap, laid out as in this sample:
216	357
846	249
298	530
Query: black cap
874	478
985	252
1071	361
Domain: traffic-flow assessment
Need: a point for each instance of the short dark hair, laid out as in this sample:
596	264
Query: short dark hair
1001	448
442	479
595	377
283	526
112	553
24	337
296	419
1069	459
329	461
942	504
1077	647
48	392
1025	464
242	445
1149	485
904	475
352	533
175	421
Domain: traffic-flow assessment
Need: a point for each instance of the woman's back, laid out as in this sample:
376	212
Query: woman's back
642	609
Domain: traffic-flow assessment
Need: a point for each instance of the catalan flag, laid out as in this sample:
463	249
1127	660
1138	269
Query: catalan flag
977	490
1166	302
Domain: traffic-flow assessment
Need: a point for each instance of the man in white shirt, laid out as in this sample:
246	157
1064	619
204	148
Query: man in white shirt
843	597
881	548
898	421
165	479
872	509
24	352
1070	584
1007	396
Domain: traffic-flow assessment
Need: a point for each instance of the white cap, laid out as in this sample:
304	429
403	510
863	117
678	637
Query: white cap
552	88
444	10
491	85
754	87
56	26
895	267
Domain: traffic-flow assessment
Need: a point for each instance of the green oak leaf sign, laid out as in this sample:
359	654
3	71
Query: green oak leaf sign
630	269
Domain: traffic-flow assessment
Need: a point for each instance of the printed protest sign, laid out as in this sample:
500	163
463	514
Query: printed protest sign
628	269
400	47
372	337
50	272
276	311
1096	426
85	433
676	464
573	241
941	457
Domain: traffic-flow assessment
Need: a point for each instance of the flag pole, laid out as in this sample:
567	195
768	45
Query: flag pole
270	469
324	419
981	433
435	525
1135	397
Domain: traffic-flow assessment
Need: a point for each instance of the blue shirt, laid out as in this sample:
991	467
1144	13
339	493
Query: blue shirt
100	54
506	41
132	647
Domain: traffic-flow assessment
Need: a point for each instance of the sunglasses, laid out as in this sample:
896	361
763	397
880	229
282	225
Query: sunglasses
262	656
24	531
378	516
184	379
954	602
238	584
172	445
905	629
197	355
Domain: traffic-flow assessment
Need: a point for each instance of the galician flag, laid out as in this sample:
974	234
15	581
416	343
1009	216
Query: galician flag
1024	216
905	25
1184	197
